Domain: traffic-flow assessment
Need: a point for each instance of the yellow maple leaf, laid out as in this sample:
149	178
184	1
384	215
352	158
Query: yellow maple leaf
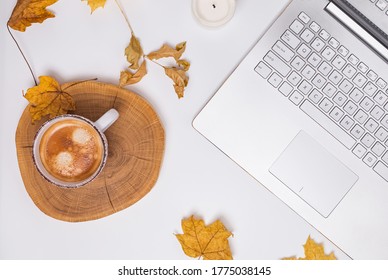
313	251
48	98
179	78
27	12
95	4
209	242
167	51
134	52
129	78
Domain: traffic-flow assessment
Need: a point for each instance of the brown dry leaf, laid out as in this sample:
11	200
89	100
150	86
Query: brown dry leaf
48	98
129	78
27	12
313	251
167	51
184	64
95	4
134	52
180	79
209	242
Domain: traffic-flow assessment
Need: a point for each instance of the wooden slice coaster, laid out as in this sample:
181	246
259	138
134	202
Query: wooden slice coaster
136	147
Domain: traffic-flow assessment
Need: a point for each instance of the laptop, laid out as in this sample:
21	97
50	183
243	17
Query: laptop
306	114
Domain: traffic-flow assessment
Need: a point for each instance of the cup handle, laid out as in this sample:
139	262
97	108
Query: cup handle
106	120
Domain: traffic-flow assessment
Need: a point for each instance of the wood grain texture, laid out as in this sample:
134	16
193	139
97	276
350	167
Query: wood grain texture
136	148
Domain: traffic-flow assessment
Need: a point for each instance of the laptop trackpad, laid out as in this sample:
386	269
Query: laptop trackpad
313	173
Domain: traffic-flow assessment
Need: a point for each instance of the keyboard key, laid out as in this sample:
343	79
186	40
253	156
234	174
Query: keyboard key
356	95
359	151
381	4
382	170
314	59
326	105
347	122
339	62
305	87
385	157
353	59
328	53
340	99
304	17
370	159
381	83
372	75
346	86
378	149
315	26
275	80
362	67
325	68
296	26
296	98
359	80
380	98
283	51
336	114
327	124
370	89
377	113
335	77
343	51
371	125
361	116
381	134
275	62
285	89
357	131
263	70
297	63
308	72
294	78
334	43
350	108
290	39
349	71
307	35
366	104
368	140
384	122
315	96
319	81
324	34
317	44
304	50
329	90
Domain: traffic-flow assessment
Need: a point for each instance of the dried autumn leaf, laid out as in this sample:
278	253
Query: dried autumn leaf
27	12
134	52
180	79
168	51
95	4
129	78
48	98
209	242
184	64
313	251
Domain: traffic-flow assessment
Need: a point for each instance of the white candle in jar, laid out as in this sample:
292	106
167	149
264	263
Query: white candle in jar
213	13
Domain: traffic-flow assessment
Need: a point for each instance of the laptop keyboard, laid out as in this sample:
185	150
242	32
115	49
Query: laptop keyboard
382	5
334	87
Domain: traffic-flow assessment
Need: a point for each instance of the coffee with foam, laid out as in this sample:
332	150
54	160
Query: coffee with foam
71	150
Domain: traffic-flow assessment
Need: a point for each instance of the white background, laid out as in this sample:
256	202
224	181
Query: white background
196	178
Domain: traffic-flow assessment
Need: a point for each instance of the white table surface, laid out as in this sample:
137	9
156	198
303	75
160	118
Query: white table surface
196	178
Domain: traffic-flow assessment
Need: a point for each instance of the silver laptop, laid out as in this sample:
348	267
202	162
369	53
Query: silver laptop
306	114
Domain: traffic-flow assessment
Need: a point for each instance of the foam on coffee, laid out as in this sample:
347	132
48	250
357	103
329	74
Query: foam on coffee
71	150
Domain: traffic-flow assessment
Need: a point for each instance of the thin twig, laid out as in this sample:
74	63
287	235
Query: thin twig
24	57
154	61
124	15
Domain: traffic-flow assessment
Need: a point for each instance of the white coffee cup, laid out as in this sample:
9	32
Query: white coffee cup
70	150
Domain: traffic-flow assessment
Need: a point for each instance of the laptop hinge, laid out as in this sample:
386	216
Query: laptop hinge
351	18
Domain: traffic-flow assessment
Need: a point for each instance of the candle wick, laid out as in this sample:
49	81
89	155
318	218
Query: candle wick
214	6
